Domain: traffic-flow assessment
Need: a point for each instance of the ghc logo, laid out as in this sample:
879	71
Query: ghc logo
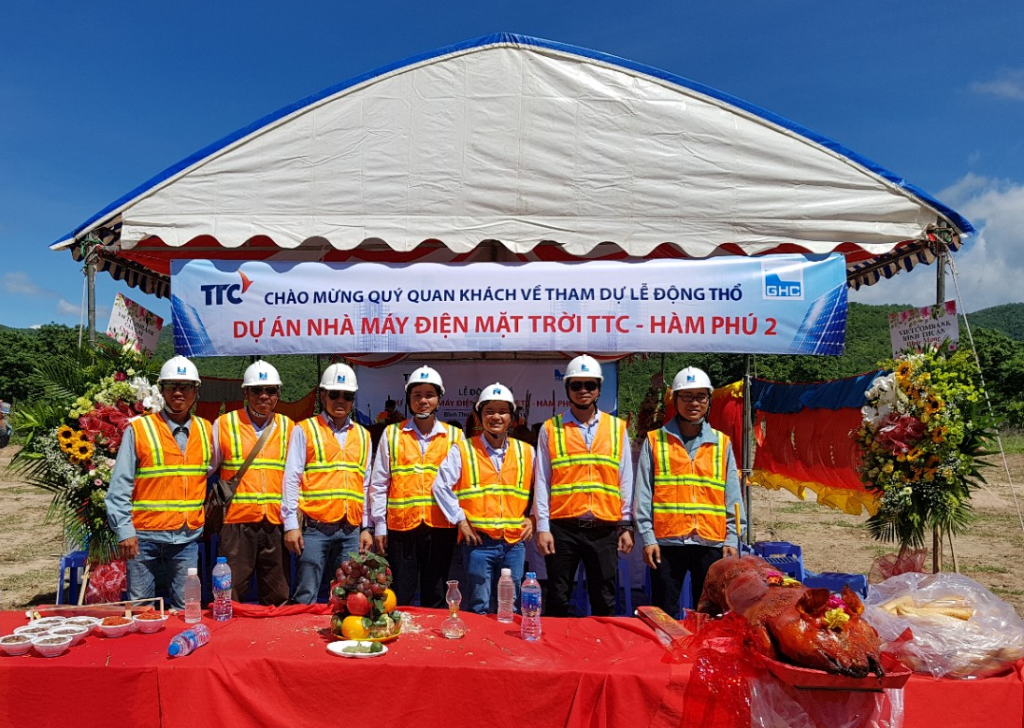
217	293
775	286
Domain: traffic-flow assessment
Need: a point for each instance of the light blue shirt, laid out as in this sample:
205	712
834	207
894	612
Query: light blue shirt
644	507
380	478
542	495
122	488
295	466
451	471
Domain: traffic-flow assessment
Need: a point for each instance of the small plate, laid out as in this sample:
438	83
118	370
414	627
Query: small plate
335	648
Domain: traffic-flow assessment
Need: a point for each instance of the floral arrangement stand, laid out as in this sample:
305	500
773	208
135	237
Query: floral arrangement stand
72	433
923	431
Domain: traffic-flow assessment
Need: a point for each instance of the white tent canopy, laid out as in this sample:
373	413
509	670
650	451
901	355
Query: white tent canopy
529	144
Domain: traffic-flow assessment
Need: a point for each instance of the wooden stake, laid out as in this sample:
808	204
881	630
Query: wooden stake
949	537
936	549
85	582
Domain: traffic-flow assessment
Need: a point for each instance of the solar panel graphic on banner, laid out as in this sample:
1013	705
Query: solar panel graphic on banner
190	337
823	330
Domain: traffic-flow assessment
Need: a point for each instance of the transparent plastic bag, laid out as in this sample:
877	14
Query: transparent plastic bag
958	628
775	705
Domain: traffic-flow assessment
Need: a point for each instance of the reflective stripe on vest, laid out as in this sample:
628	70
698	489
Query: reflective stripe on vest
689	495
332	480
495	502
585	481
170	486
259	494
410	499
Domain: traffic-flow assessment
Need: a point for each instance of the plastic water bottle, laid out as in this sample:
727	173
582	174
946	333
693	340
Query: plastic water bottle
188	641
222	590
506	596
530	607
193	597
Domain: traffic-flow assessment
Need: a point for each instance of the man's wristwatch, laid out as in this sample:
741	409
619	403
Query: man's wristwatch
626	528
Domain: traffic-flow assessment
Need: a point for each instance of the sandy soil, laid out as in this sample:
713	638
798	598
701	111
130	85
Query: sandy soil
990	552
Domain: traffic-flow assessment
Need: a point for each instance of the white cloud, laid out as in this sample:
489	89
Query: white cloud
1007	85
66	308
990	264
19	284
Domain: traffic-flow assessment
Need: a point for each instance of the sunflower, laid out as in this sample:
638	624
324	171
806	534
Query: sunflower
84	450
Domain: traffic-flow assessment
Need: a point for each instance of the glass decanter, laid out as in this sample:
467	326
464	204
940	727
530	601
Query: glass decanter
453	627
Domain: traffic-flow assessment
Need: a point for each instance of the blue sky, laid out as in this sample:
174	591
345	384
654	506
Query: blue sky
99	97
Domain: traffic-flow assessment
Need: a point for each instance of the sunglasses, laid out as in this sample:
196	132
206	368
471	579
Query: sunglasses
578	386
702	398
347	396
271	391
178	386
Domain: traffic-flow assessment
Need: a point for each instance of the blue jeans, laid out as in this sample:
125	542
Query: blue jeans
175	559
325	546
483	567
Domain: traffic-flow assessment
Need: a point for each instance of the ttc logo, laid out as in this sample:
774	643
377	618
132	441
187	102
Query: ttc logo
782	281
218	294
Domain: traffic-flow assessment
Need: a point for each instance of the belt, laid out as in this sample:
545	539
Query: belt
585	523
312	522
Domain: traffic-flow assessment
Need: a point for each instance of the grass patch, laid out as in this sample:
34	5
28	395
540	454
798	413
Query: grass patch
802	507
1013	442
1007	592
986	569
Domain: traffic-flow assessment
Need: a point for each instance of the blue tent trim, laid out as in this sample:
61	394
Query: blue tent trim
961	223
779	398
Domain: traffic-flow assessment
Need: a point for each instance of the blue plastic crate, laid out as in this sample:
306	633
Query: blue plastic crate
834	581
787	557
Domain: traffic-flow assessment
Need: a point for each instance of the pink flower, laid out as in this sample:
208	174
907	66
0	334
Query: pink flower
120	377
898	433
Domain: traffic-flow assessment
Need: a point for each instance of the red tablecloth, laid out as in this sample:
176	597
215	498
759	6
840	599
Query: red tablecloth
584	672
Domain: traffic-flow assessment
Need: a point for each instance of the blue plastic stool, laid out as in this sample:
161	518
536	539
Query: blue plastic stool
71	566
784	556
834	581
580	600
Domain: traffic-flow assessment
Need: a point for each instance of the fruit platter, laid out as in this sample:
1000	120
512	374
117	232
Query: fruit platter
362	601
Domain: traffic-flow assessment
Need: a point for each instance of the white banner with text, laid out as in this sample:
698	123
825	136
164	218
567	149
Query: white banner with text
786	304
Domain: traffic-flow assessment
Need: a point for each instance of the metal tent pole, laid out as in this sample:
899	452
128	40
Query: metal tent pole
748	448
940	298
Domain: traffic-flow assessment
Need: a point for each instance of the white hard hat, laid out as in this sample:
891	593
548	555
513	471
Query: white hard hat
179	369
691	378
261	373
339	377
584	367
496	392
425	375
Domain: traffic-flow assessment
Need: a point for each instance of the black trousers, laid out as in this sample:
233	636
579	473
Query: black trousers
421	558
667	580
259	547
596	544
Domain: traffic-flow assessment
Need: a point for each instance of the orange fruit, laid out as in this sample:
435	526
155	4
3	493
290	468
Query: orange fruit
355	628
390	601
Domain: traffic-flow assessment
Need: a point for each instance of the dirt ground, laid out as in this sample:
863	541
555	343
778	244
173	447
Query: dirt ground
990	552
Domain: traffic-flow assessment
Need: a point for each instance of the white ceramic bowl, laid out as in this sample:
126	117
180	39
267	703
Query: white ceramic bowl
48	622
31	630
148	624
83	621
51	645
11	644
115	630
76	632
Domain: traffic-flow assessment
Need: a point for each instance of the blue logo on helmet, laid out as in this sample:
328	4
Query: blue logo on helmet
424	375
584	368
182	371
263	376
691	378
496	390
341	379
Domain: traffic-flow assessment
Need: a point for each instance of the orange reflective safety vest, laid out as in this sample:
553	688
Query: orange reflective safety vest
258	496
582	480
170	486
689	495
495	502
332	481
410	499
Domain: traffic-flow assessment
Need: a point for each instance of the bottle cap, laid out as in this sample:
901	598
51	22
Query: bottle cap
531	575
192	571
506	572
174	649
222	559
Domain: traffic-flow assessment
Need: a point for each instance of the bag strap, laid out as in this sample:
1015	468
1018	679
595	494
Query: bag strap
231	485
